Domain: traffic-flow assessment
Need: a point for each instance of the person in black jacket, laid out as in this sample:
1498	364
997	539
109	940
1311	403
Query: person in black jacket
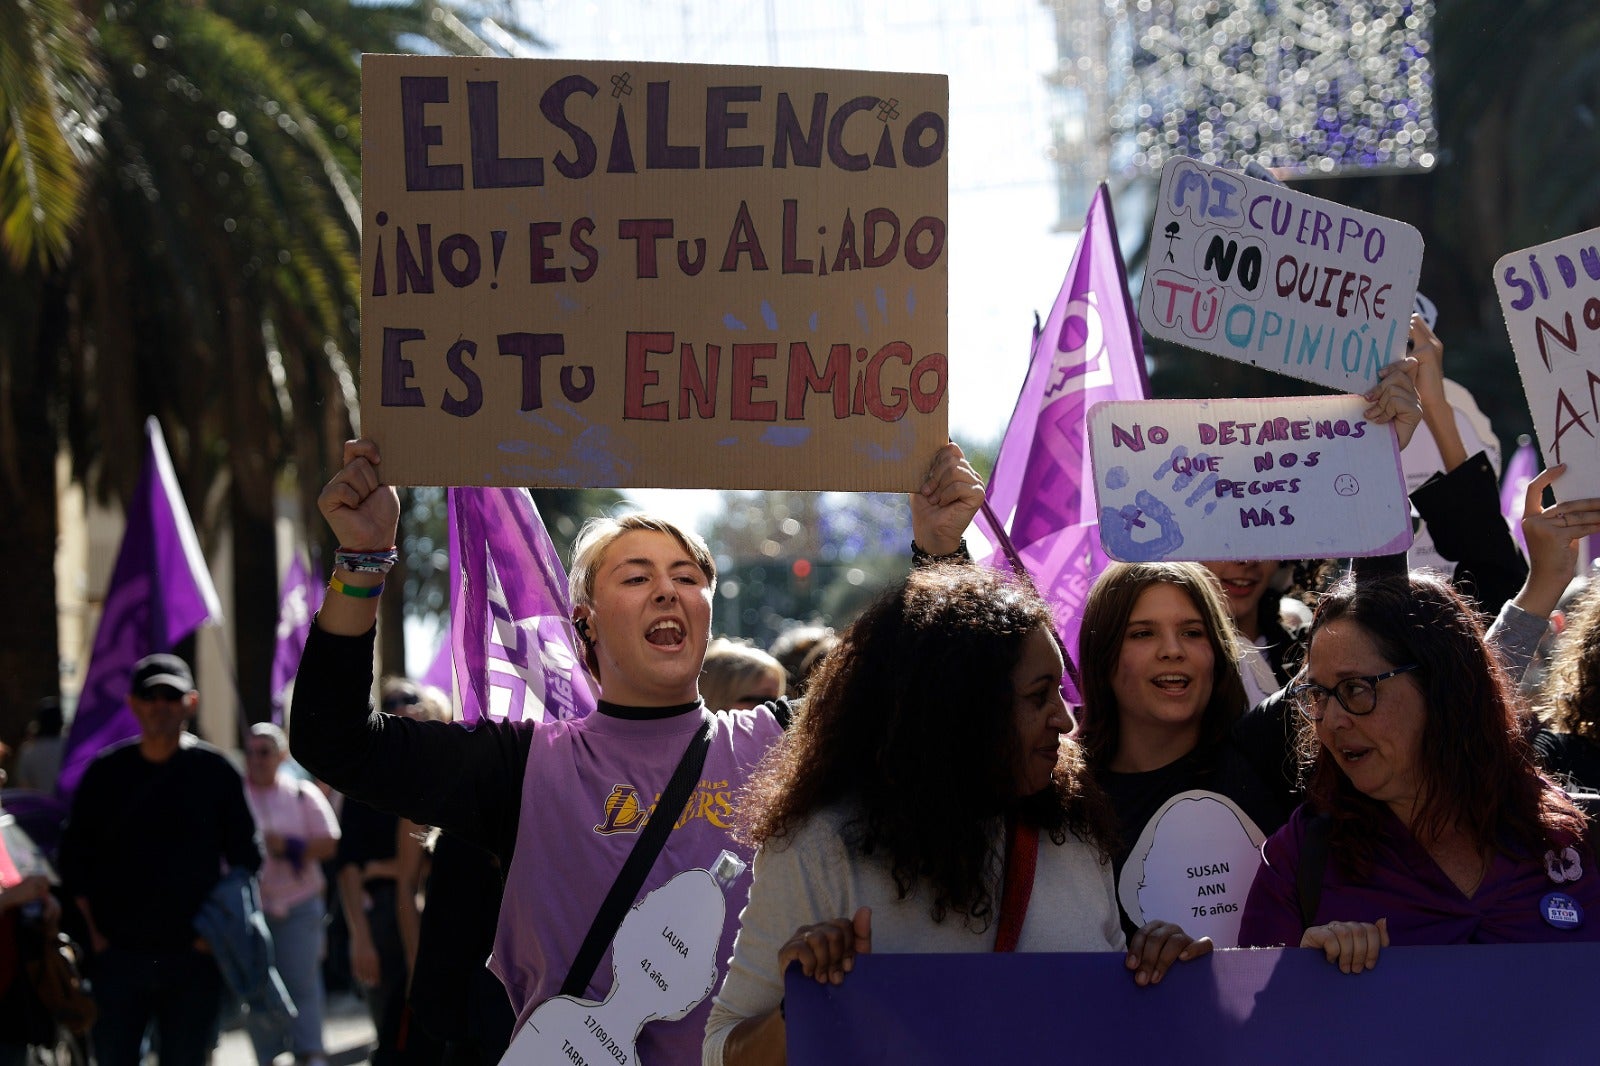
153	823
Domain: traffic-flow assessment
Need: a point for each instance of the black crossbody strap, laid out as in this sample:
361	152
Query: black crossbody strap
643	856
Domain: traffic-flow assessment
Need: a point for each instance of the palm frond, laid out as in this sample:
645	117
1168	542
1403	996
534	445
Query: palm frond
47	127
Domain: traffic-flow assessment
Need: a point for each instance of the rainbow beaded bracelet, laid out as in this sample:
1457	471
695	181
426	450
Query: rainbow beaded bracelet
360	592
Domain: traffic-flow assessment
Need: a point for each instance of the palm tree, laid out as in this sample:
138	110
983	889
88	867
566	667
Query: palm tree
48	73
206	270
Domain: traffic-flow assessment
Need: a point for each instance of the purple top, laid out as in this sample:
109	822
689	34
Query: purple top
589	786
1421	902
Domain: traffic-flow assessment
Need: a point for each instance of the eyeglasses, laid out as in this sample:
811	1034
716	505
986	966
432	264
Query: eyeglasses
404	699
1357	695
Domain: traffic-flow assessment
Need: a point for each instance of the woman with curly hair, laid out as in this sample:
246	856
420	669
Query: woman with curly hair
1567	742
1426	822
926	777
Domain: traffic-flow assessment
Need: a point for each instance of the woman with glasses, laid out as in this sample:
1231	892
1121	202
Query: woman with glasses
1426	821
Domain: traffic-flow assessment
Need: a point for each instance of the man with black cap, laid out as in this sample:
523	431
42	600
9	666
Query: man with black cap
152	825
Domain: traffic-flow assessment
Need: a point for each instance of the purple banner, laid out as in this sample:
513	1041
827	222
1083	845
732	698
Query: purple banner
1499	1003
1523	468
160	592
510	631
1090	350
297	603
442	671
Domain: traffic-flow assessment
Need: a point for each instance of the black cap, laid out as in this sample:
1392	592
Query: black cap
161	671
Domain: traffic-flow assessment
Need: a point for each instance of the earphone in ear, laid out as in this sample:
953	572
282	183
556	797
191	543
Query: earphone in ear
581	624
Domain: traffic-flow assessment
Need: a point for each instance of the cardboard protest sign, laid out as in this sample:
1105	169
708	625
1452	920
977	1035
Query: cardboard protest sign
1550	295
1193	865
1419	1004
1287	478
647	274
1265	275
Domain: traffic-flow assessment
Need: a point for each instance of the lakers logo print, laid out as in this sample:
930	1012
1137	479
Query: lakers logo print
623	812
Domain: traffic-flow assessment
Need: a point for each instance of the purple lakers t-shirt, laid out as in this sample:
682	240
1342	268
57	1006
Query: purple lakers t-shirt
589	788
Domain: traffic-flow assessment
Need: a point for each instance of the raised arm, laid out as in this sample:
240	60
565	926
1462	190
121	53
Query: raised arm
1394	399
435	773
1552	534
943	508
1462	505
364	514
1437	411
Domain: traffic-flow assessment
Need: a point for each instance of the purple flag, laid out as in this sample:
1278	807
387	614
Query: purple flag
160	592
510	631
297	602
1090	350
441	673
1523	468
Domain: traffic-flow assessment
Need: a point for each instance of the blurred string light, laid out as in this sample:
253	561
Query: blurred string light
1310	86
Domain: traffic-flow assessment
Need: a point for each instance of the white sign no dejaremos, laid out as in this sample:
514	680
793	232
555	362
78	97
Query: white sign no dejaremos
1304	477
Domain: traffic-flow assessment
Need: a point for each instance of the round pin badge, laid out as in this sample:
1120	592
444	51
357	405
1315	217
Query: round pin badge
1561	910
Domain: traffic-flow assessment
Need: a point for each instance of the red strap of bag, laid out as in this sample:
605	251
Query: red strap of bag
1022	858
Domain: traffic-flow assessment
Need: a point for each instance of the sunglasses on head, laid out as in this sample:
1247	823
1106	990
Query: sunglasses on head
399	700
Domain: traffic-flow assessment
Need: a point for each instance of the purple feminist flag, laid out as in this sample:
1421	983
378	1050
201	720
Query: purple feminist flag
441	672
1523	468
160	592
297	602
1089	351
510	629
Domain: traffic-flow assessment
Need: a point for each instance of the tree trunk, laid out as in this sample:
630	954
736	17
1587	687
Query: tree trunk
30	652
255	602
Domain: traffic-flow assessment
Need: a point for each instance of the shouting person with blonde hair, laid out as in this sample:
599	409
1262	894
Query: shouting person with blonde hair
568	796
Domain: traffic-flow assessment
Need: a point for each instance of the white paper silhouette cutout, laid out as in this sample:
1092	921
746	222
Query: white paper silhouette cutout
663	963
1193	865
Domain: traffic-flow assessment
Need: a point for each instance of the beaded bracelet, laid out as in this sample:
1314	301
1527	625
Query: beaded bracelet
360	592
371	562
